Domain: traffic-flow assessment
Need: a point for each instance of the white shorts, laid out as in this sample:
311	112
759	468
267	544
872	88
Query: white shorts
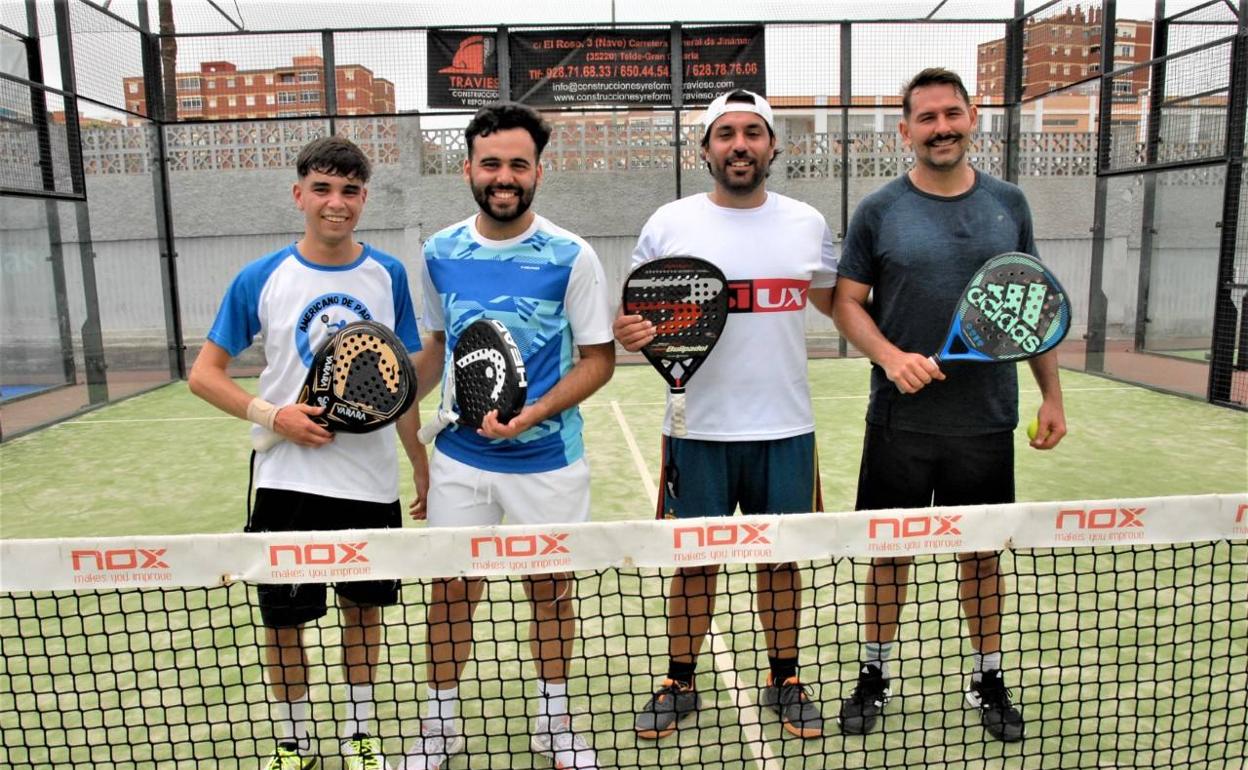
463	496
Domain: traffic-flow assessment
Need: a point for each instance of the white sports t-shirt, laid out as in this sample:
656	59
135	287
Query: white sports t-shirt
753	385
297	305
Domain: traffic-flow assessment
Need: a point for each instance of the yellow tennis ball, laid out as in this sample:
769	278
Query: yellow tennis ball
1033	428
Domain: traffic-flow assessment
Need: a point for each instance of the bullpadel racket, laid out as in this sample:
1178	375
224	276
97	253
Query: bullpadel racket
686	299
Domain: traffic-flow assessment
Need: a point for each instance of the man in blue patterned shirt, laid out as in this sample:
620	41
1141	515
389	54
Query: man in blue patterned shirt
547	286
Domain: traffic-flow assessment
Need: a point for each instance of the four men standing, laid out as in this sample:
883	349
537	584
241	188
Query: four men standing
910	248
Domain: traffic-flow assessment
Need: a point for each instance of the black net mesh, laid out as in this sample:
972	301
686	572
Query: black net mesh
1123	656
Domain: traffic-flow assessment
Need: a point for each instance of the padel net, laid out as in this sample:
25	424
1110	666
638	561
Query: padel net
1125	636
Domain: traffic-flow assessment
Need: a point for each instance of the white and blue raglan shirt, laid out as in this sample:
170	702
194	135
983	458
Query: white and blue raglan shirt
547	286
297	305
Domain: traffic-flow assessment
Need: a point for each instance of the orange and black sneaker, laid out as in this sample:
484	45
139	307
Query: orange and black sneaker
672	702
791	700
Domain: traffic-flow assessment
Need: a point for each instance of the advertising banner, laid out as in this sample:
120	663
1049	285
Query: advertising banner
582	67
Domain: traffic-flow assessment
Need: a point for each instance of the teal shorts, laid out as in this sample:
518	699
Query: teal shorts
713	478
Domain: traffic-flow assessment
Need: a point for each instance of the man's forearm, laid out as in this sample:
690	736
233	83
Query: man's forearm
584	379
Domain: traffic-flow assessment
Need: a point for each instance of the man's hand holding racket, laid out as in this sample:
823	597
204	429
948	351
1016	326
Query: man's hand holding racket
910	372
492	427
633	332
295	424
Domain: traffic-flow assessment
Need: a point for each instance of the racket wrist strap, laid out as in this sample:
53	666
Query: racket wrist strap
262	413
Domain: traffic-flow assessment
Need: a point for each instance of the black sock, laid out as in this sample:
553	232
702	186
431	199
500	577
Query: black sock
682	673
782	669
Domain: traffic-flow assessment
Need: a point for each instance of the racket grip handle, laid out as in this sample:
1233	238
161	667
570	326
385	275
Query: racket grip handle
430	430
679	428
265	440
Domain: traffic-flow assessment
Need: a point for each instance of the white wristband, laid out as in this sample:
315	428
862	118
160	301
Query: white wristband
262	413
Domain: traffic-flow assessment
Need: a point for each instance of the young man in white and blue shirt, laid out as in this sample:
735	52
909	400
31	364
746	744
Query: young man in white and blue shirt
295	299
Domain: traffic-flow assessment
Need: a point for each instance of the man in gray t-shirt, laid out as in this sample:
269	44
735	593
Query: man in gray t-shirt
931	439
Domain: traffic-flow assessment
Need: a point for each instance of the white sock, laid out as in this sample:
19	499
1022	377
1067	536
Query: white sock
440	706
552	699
877	654
359	710
986	662
290	722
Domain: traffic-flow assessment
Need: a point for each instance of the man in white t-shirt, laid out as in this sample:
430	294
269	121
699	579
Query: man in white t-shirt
296	298
750	440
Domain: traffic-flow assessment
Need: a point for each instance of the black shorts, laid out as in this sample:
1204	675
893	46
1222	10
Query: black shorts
281	510
903	469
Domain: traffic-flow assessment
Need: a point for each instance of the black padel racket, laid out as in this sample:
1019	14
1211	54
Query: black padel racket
363	378
487	374
686	299
1012	309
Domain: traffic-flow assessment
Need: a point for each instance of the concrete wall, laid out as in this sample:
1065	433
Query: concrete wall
224	219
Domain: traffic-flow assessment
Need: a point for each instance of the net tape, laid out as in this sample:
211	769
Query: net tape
297	557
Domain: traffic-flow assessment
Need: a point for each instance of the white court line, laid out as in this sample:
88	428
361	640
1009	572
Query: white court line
859	397
613	404
639	460
725	664
141	419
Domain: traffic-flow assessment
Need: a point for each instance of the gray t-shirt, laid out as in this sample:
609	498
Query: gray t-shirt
917	251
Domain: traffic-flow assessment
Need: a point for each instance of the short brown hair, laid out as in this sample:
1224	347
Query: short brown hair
334	155
933	76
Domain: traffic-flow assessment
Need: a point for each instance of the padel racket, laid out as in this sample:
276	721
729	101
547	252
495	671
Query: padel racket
686	299
363	378
1012	309
487	374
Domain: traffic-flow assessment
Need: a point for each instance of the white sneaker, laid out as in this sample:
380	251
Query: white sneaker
554	738
435	746
363	752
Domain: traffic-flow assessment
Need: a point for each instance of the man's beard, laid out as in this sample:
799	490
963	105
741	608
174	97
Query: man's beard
720	173
524	199
929	159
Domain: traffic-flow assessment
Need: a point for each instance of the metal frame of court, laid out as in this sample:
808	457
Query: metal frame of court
1227	380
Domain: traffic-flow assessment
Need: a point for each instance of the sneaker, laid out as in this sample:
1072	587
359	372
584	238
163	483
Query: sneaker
670	704
362	752
434	747
286	757
860	713
1000	718
791	700
554	738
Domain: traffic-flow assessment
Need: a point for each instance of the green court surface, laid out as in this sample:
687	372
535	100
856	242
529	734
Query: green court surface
1131	657
168	463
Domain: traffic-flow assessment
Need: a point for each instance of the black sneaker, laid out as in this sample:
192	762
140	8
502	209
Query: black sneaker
1000	718
860	713
791	700
671	703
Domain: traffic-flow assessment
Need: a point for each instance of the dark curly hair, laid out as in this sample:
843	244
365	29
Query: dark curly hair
502	116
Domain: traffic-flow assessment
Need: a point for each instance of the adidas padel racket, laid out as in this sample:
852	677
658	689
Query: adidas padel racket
686	299
487	374
363	378
1012	309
